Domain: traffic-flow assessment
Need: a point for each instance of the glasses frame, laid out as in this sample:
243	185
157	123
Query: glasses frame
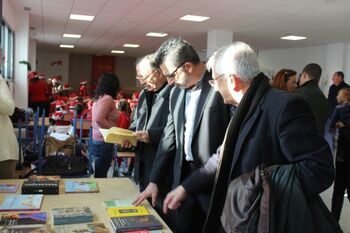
146	77
213	81
172	75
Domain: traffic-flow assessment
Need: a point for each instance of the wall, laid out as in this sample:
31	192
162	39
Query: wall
32	54
331	57
79	69
126	72
44	60
8	13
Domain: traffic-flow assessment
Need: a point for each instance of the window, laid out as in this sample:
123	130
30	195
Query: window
7	48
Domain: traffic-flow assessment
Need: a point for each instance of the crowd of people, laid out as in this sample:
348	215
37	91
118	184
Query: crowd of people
200	127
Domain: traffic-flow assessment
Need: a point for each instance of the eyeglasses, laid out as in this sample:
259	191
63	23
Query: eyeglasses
213	81
172	75
140	77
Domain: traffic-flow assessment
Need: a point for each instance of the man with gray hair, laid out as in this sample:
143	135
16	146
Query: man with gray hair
269	126
189	138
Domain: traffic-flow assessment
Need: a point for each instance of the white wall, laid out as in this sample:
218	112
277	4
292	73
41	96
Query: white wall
32	54
8	13
331	58
44	60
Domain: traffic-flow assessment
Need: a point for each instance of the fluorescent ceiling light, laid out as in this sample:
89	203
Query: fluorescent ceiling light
293	37
131	45
66	46
71	35
157	34
194	18
82	17
117	51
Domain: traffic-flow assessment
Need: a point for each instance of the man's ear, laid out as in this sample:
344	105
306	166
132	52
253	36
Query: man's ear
188	67
237	82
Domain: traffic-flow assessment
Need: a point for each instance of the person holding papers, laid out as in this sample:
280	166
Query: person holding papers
104	115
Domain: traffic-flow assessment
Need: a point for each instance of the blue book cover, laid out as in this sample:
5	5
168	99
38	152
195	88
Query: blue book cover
8	188
71	215
133	223
23	218
21	202
80	186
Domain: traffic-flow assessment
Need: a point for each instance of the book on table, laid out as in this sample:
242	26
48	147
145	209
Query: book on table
24	229
127	211
71	215
118	135
8	188
25	218
134	223
21	202
43	178
93	227
117	203
71	186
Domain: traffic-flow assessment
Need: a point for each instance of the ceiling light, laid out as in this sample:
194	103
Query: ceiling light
66	46
131	45
71	35
117	51
194	18
157	34
82	17
27	8
293	37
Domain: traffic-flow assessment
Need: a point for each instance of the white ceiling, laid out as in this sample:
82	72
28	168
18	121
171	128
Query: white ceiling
258	22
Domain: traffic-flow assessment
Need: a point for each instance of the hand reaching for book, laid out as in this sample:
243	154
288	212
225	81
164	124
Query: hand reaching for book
150	191
174	199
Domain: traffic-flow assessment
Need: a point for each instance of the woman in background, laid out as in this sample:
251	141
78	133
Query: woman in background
8	142
285	79
105	116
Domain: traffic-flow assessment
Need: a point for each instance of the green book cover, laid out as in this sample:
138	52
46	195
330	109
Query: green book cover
80	186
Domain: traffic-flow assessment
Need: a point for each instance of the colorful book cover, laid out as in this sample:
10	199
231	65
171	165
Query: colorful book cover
94	227
80	186
24	229
134	223
8	188
23	218
127	211
22	202
43	178
71	215
117	203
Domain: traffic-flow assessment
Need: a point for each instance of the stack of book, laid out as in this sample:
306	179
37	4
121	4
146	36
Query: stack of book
130	218
71	215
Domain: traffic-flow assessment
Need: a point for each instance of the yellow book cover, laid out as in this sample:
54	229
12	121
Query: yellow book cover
127	211
118	135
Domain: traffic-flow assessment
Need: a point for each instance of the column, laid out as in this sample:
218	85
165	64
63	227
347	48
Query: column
32	54
217	39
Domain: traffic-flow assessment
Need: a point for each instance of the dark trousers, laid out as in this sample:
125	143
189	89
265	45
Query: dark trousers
191	215
342	172
103	154
42	106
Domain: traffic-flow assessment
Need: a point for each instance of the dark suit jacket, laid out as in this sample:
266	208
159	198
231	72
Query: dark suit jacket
281	130
153	113
317	101
211	119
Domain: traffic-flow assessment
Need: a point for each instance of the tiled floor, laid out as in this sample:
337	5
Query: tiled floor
345	215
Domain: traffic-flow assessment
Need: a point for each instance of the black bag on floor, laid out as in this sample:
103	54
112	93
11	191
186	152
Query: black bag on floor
66	166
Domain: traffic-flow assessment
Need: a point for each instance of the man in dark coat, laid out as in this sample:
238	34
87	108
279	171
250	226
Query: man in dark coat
313	95
269	126
190	136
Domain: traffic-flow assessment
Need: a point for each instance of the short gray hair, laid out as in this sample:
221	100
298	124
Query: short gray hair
240	59
213	61
148	60
178	51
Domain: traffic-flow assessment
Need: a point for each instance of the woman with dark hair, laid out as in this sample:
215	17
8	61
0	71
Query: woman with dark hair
285	79
105	116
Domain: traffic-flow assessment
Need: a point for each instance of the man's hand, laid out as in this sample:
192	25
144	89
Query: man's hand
142	136
126	144
150	191
174	198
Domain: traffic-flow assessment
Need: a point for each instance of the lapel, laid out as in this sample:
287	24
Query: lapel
157	103
179	114
203	99
245	129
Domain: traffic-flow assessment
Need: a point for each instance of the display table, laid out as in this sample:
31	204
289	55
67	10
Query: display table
112	188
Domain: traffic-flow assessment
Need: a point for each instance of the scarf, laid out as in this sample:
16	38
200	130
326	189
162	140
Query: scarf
246	107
